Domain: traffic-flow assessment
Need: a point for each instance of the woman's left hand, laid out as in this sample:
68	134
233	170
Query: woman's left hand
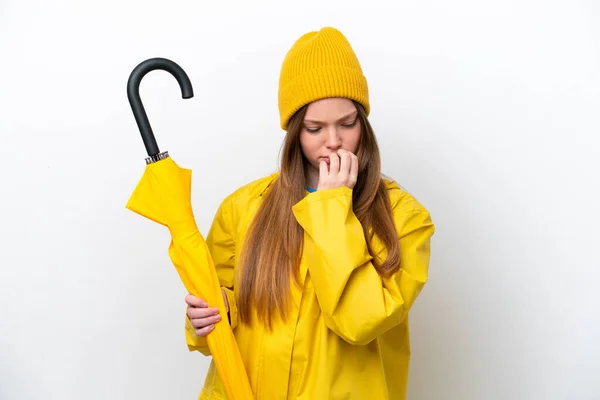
342	171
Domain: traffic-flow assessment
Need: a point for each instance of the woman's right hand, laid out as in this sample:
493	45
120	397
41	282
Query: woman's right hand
202	317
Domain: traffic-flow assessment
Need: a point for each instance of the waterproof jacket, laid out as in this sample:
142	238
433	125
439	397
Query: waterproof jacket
347	335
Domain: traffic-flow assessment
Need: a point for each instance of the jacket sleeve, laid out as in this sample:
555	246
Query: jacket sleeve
358	304
221	244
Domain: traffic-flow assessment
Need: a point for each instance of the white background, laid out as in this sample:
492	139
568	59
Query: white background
487	111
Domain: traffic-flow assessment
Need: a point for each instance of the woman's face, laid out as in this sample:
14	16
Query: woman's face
329	125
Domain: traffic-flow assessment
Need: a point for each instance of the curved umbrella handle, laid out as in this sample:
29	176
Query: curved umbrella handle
133	94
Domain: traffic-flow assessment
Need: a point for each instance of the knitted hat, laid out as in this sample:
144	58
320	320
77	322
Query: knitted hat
320	65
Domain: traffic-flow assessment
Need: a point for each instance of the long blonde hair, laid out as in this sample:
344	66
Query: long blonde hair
272	249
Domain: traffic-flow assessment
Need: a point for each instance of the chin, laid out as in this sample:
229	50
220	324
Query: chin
315	165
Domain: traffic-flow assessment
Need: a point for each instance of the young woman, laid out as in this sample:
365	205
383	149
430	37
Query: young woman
321	261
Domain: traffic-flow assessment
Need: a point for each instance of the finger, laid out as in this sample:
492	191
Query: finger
323	170
345	163
202	312
194	301
202	322
353	169
334	164
205	331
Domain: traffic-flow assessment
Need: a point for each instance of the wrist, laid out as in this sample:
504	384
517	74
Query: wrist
225	300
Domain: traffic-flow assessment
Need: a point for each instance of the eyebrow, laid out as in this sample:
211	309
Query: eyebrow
353	113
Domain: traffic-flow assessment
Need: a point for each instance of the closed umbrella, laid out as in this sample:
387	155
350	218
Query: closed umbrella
163	195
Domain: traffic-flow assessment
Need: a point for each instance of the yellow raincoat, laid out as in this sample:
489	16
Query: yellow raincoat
347	336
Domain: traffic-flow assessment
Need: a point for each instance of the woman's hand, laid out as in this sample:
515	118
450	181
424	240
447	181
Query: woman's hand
202	317
342	171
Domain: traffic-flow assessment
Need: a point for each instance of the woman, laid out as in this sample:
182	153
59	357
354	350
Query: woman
320	262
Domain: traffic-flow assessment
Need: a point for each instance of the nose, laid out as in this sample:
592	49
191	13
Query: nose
333	140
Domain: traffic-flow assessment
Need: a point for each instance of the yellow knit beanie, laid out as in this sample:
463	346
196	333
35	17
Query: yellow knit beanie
320	65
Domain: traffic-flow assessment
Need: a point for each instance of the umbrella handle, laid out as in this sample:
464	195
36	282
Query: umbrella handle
133	94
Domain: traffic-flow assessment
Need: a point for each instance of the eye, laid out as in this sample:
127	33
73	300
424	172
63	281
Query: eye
350	124
312	130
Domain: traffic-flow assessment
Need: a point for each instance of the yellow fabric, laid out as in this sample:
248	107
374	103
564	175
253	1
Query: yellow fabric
347	336
163	195
319	65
